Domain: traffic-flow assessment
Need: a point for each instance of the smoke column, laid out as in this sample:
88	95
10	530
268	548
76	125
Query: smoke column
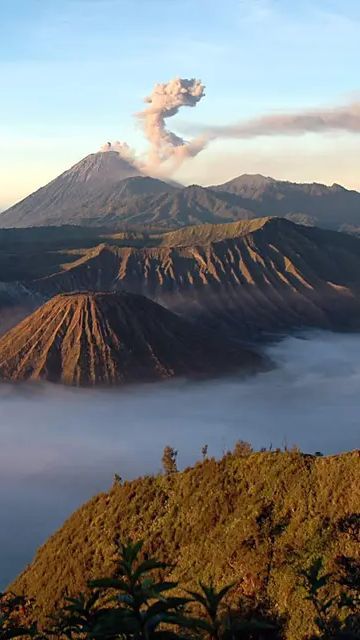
164	102
167	150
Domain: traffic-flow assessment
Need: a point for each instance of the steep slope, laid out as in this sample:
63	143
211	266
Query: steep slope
104	338
317	204
122	204
250	277
254	520
62	201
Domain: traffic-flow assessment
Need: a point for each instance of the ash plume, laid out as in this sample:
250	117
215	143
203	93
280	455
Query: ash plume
168	150
344	118
122	148
164	102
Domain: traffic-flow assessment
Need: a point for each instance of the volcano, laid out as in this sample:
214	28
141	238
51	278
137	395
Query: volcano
76	196
113	338
106	189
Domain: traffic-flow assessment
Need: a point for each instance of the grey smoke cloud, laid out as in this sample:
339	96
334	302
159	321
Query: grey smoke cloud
168	150
122	148
164	102
343	118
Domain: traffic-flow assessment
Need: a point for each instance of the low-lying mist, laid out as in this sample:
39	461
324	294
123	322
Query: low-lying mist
59	446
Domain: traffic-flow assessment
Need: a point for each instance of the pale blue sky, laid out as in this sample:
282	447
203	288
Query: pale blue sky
74	71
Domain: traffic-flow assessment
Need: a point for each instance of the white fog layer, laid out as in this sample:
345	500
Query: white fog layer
59	446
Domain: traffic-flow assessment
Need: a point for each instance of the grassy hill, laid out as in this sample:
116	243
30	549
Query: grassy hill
255	519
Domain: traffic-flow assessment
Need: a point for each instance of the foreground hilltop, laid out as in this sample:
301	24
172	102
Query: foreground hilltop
254	519
113	338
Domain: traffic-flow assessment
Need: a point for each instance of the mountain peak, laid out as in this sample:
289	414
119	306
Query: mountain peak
255	180
103	166
55	203
111	338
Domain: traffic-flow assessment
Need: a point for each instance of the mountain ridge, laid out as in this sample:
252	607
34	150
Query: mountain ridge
333	207
249	278
106	189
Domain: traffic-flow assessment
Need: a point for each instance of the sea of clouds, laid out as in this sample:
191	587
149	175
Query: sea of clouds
59	446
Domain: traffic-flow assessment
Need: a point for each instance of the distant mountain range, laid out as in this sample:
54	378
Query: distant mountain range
105	189
113	338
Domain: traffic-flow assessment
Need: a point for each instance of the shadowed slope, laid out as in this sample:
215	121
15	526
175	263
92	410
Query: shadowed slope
104	338
180	207
309	203
57	202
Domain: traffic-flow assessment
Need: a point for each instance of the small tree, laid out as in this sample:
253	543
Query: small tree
242	448
295	449
169	460
117	479
133	605
204	451
137	604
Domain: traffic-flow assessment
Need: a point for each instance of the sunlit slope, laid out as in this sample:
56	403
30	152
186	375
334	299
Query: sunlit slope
109	338
253	520
253	276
